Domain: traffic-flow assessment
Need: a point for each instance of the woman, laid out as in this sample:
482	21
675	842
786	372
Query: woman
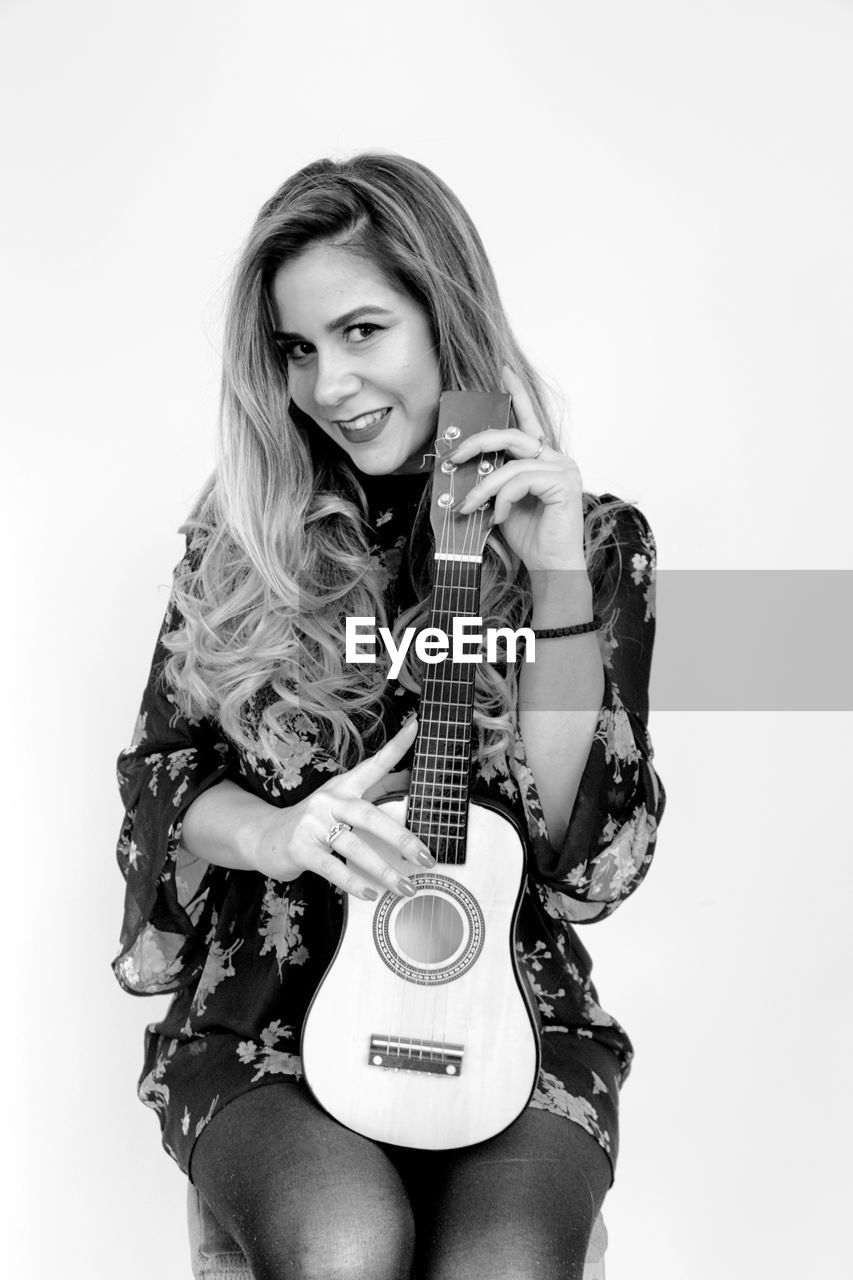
362	293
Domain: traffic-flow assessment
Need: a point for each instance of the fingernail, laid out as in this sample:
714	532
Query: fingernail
426	859
370	894
407	888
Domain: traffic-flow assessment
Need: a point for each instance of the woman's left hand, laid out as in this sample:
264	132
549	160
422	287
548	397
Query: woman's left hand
538	493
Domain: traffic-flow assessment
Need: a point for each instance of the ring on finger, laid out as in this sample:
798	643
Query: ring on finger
334	831
539	450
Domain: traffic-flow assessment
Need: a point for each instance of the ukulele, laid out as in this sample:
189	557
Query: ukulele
423	1032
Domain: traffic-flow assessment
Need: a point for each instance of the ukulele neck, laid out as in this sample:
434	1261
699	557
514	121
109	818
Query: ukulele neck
438	794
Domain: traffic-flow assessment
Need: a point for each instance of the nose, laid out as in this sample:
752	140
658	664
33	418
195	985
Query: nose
336	380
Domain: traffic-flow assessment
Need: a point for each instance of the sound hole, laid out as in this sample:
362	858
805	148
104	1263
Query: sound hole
428	929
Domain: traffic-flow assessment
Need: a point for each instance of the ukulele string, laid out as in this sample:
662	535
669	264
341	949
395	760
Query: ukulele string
440	802
435	777
457	595
425	815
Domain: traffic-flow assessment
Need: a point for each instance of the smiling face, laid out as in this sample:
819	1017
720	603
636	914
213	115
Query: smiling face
361	361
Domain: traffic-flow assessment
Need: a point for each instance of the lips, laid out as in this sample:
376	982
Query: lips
367	426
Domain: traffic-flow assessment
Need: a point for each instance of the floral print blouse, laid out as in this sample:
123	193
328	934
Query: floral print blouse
242	954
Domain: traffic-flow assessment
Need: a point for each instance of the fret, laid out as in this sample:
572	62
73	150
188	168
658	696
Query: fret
441	831
456	734
438	779
440	824
457	744
456	673
439	837
453	815
455	768
440	724
450	683
449	784
452	824
440	704
456	747
428	789
450	807
455	807
455	811
455	819
450	672
464	592
428	796
437	762
432	787
447	791
444	848
437	712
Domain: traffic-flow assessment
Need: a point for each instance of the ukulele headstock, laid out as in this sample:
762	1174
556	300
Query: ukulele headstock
462	414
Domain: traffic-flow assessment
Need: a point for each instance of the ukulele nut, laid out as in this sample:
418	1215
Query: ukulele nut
445	500
485	467
448	467
451	433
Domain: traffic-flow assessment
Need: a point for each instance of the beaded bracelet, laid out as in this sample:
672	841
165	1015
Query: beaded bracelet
552	633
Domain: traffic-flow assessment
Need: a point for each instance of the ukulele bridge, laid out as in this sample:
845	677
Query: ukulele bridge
398	1053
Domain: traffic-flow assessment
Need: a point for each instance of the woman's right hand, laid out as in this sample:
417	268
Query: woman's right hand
380	852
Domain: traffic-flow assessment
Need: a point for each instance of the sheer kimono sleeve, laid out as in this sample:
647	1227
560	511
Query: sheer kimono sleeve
611	836
169	894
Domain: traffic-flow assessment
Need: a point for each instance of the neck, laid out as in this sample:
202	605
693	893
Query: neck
438	795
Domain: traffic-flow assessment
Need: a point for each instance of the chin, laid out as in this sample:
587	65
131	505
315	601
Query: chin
386	463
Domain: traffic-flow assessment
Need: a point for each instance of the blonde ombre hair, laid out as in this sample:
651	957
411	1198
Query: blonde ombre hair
278	547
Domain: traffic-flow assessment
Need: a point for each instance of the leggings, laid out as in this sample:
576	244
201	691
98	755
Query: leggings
307	1199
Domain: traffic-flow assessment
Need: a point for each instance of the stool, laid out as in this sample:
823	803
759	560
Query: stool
216	1256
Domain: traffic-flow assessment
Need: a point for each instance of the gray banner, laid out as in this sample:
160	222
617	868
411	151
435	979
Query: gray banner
726	640
753	640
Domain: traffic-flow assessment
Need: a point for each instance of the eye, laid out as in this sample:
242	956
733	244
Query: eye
365	331
294	351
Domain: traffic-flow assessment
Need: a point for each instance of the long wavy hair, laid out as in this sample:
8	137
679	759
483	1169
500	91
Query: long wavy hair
278	546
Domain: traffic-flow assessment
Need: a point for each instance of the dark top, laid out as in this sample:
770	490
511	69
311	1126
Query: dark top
243	953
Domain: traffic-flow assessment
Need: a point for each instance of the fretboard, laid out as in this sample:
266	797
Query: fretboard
438	794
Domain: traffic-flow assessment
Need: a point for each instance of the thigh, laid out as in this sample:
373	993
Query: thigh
520	1205
304	1197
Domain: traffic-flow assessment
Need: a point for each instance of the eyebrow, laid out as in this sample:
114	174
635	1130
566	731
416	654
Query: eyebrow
342	321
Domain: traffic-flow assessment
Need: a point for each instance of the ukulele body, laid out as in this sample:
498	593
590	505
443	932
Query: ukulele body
423	1032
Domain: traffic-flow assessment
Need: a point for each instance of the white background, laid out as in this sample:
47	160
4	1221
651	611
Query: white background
666	192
